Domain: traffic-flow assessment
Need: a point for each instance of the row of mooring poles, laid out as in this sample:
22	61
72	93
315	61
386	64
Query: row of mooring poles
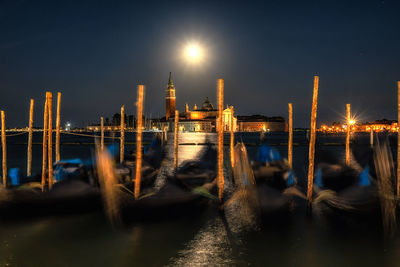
47	139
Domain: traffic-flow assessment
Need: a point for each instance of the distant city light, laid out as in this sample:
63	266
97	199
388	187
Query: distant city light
376	126
68	126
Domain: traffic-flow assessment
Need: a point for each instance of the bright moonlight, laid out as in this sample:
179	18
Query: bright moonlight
193	53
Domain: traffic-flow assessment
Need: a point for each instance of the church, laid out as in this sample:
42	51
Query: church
200	119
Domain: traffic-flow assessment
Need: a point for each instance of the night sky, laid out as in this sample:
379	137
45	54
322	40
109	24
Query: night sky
96	53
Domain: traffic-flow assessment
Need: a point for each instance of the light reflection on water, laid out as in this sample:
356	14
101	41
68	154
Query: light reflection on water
218	242
211	240
209	247
189	152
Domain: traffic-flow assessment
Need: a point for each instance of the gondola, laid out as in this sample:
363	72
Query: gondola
195	173
76	187
269	181
74	191
176	197
346	197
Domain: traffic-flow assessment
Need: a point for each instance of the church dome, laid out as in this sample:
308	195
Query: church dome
207	105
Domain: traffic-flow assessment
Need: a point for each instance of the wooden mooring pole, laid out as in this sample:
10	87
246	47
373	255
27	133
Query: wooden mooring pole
311	151
58	121
139	113
4	147
290	141
50	139
348	119
30	135
101	134
398	140
176	144
232	143
371	137
162	136
220	127
44	143
122	144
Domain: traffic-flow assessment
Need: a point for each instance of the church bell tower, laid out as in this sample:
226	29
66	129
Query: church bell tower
170	99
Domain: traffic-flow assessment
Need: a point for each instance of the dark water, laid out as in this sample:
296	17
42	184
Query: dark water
207	239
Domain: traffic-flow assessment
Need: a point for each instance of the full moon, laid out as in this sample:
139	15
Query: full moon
193	53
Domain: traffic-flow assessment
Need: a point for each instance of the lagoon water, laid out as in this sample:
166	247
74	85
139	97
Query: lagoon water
208	239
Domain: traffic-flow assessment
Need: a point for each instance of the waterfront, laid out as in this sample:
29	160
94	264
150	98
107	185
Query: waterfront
205	240
73	146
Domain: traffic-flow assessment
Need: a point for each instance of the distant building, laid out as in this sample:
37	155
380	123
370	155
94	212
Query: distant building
199	119
196	126
208	113
170	99
258	123
196	120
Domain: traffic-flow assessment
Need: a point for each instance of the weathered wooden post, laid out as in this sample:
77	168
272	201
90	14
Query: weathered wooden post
162	136
220	126
232	143
290	141
30	135
371	137
311	152
122	144
176	126
139	129
50	139
58	127
398	139
44	143
4	147
348	119
102	134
